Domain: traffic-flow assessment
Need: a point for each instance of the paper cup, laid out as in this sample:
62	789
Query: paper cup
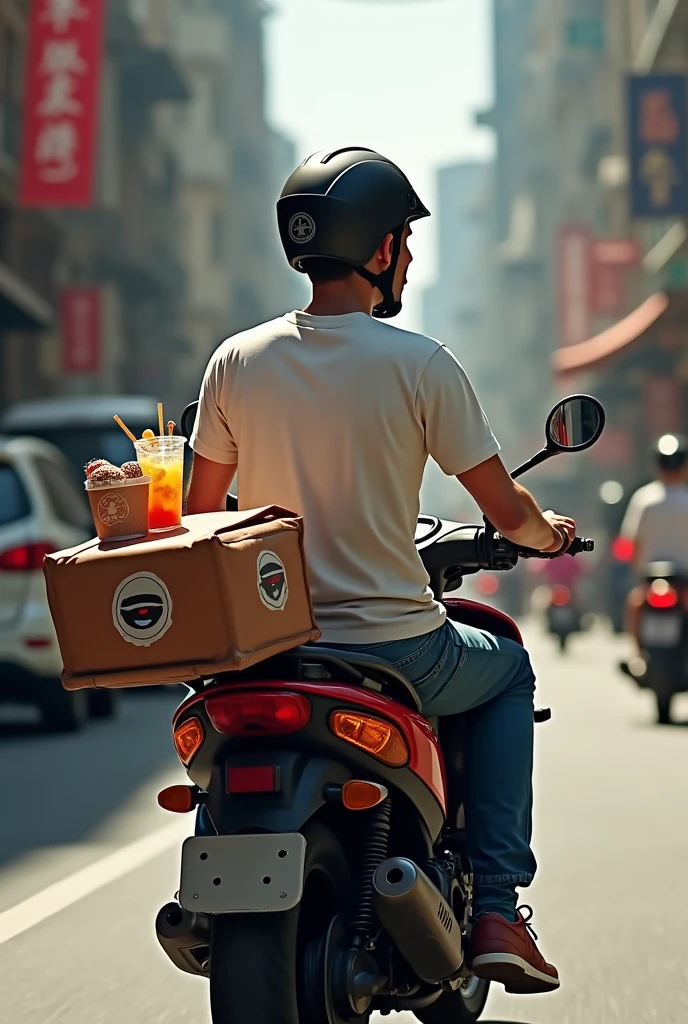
120	510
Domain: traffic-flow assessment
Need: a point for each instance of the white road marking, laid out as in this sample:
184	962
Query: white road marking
62	894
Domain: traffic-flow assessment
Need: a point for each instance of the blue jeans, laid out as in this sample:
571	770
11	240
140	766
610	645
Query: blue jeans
461	670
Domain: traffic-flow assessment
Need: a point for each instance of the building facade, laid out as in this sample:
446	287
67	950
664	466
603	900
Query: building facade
122	248
203	46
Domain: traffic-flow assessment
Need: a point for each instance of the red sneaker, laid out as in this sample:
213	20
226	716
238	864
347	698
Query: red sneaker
507	953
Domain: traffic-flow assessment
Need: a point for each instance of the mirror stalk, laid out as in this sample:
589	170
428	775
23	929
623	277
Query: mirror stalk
537	460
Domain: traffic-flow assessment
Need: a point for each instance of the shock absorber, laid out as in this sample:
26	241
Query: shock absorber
375	845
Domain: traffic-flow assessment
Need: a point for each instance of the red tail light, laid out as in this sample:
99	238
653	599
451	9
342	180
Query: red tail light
623	549
560	596
258	714
26	557
661	594
488	584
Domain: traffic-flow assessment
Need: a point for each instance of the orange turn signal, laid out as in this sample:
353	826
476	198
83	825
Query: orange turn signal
377	737
179	799
187	739
361	796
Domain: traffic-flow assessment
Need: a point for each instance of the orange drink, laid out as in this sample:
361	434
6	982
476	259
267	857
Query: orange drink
162	459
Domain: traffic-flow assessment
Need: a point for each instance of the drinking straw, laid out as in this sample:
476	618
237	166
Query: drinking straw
170	427
125	428
162	432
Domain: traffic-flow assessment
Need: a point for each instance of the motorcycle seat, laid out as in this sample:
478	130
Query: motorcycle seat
663	571
320	663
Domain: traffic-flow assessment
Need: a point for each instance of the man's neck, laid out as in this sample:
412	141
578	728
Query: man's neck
341	297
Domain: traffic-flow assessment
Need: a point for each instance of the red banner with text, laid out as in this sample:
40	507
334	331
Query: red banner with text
60	129
80	329
574	245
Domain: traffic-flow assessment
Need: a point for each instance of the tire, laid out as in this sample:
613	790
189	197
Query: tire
663	708
102	703
661	671
457	1007
64	710
256	959
563	642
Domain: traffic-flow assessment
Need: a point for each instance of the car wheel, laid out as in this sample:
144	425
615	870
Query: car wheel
102	703
64	710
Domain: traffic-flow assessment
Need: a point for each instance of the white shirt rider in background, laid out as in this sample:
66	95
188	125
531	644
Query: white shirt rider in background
656	519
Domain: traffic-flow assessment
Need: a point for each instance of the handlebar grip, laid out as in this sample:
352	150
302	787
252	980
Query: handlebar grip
581	544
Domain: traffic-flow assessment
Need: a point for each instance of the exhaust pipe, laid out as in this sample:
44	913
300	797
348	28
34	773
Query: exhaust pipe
185	937
418	918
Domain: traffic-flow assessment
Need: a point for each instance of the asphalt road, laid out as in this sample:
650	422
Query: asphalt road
87	858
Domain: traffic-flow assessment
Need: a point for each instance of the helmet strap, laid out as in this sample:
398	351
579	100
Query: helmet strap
384	282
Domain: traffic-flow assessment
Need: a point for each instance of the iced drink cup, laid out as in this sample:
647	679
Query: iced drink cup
162	459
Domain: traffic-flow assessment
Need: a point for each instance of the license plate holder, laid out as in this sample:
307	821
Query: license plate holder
663	630
242	874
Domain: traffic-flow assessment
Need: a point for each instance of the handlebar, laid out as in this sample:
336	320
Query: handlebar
579	546
468	549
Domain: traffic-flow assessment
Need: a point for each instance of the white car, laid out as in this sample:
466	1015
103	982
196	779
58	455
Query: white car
82	426
42	509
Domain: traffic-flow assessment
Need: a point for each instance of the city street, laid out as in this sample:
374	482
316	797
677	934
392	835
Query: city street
81	832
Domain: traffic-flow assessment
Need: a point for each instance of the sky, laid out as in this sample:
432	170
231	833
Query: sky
404	77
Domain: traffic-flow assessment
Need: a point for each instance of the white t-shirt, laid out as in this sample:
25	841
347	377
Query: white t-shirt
657	520
334	417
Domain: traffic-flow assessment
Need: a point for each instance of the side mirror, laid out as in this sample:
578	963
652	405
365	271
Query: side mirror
573	425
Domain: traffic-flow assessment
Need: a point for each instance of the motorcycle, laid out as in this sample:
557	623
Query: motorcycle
327	877
663	665
562	615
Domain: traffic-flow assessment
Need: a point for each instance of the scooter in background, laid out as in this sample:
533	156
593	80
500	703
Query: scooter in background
662	665
562	614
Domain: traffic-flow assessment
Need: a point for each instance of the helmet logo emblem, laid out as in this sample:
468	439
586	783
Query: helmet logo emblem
301	228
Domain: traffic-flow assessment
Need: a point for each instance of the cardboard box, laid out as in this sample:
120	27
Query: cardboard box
222	592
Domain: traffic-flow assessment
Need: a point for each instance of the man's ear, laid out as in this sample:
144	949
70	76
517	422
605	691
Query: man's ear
384	252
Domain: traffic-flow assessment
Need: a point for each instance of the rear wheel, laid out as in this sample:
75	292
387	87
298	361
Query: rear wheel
258	962
64	710
102	703
461	1007
661	672
663	708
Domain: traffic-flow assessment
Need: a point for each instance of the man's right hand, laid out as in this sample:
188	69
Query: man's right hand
513	511
564	532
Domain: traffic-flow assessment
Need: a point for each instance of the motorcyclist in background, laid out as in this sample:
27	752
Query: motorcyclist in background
333	413
656	520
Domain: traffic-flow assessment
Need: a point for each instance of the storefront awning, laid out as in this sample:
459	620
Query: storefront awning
21	308
595	350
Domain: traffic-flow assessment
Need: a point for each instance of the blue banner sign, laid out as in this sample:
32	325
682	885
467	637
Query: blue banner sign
658	145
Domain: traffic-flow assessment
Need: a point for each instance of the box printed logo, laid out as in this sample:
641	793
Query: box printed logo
142	609
273	588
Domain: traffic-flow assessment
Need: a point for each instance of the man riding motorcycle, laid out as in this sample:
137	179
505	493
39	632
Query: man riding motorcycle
333	413
656	520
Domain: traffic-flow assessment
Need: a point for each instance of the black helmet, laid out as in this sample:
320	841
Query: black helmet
671	452
340	206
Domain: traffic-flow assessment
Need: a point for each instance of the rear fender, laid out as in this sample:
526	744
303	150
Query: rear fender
302	782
